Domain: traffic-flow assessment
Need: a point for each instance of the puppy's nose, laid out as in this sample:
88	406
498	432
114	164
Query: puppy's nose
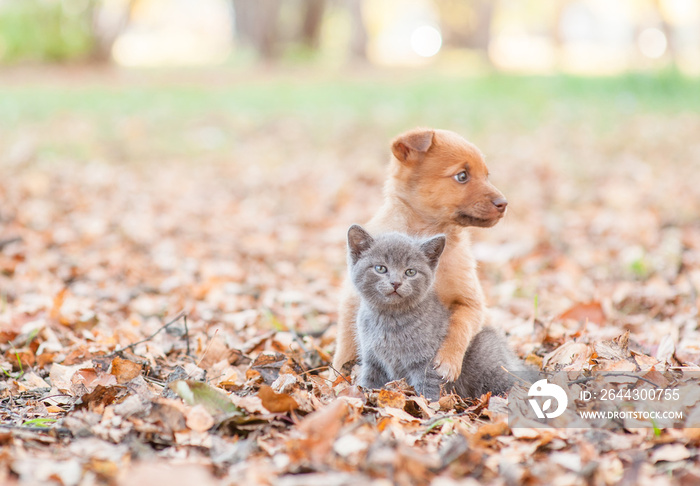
396	285
500	203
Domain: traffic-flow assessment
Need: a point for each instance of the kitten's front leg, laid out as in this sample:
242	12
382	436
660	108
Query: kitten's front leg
426	381
372	374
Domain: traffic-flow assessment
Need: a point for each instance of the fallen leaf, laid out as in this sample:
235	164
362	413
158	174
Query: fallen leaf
320	429
398	413
570	355
276	402
99	398
582	312
199	393
199	420
387	398
656	378
125	370
349	444
61	376
486	434
615	349
670	453
269	366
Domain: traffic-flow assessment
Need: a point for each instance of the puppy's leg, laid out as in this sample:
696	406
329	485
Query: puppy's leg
466	320
346	347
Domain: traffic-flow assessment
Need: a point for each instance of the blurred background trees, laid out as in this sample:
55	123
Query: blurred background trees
589	36
58	31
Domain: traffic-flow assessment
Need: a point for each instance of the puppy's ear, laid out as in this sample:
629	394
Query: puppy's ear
433	248
359	241
412	145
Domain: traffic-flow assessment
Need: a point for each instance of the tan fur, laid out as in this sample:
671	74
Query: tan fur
422	198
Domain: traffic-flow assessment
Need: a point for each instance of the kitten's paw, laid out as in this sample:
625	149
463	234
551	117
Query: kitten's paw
448	367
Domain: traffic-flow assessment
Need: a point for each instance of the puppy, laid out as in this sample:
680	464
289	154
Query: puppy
438	183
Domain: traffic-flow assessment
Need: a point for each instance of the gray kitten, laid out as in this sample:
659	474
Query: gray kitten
401	323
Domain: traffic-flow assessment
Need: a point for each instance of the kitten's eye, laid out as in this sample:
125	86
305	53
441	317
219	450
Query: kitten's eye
462	177
410	272
380	268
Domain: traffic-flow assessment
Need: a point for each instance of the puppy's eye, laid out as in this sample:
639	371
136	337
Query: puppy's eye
462	177
410	272
380	268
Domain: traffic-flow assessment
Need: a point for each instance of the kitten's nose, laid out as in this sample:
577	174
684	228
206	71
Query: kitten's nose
396	285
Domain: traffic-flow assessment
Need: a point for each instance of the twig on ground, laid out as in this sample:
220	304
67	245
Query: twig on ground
165	326
298	339
516	376
586	379
324	367
340	374
8	241
206	350
633	376
187	334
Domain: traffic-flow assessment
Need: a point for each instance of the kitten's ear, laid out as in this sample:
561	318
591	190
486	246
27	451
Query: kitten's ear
412	145
433	248
359	241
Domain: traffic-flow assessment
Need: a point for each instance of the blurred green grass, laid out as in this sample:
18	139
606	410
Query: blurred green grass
477	97
387	102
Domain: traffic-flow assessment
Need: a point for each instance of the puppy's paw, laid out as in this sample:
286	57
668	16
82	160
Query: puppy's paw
448	367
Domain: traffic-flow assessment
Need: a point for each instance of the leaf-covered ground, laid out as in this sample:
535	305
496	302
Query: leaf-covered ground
171	254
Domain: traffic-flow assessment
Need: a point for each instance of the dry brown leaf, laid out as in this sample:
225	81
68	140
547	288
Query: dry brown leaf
198	419
657	378
670	453
398	413
582	312
250	403
168	415
320	429
21	359
420	404
276	402
61	376
84	376
486	435
268	366
99	398
125	370
570	355
644	362
448	402
215	352
387	398
58	303
163	472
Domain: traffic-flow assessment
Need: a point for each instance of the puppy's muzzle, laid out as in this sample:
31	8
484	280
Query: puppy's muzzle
500	203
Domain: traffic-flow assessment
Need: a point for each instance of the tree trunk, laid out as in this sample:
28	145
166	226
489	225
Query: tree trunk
358	42
667	29
256	25
481	35
106	26
311	23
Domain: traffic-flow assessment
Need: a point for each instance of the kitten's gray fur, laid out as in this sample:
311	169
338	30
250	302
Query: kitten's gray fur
399	330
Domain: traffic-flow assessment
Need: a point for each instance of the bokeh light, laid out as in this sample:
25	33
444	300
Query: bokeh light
652	42
426	41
